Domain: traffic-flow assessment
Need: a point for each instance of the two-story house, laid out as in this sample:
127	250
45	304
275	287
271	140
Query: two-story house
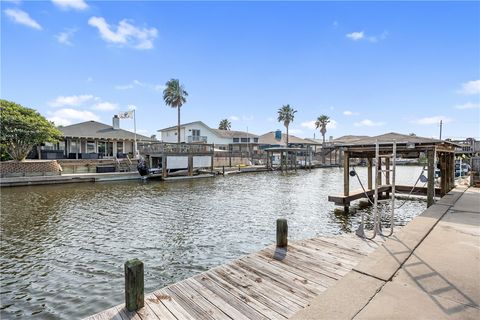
199	132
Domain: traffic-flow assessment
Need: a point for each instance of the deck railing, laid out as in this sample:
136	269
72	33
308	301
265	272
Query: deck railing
175	148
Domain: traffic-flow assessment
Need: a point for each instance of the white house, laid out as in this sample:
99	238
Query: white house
198	131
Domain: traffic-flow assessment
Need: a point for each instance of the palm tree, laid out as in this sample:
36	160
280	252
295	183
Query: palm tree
286	115
321	123
225	125
174	96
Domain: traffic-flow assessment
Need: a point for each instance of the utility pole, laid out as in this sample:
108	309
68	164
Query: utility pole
441	123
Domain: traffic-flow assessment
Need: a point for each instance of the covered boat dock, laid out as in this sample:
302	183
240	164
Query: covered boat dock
407	147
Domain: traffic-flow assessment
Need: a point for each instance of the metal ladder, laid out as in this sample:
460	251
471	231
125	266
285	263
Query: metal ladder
377	223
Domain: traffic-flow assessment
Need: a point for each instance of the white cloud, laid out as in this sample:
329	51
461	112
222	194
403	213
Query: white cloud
66	36
368	123
432	120
124	87
105	106
350	113
311	124
71	4
468	105
68	116
137	83
470	87
21	17
234	118
74	100
360	35
356	36
125	33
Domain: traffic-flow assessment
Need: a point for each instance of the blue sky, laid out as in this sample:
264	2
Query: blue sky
373	67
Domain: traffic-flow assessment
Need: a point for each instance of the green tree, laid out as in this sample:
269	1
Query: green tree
174	96
225	125
22	128
321	123
286	115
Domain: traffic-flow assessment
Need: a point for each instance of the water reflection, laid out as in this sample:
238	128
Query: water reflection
63	246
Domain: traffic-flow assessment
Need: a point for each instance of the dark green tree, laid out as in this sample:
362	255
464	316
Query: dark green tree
22	128
174	96
225	125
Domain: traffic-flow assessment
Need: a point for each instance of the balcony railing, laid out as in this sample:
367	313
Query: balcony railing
175	148
196	139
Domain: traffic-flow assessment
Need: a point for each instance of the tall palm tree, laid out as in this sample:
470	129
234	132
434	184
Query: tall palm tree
321	123
225	125
174	96
286	115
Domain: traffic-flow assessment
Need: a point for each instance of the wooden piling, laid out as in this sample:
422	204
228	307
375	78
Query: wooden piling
282	233
134	285
431	177
369	173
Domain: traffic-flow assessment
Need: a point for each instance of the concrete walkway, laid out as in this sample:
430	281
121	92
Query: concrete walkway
428	270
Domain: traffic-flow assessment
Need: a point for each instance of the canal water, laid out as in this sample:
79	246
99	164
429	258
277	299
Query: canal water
63	246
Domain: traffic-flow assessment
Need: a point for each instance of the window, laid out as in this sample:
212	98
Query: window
90	146
101	147
236	140
74	147
49	146
195	132
245	139
255	140
119	147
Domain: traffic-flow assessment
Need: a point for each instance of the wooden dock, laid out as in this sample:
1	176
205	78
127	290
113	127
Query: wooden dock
342	200
273	283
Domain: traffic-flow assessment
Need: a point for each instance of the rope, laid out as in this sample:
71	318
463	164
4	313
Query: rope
361	184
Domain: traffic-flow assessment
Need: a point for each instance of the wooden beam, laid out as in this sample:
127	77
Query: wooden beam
346	173
431	176
369	172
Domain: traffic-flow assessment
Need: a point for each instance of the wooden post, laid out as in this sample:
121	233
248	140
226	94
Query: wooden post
431	177
443	173
212	158
164	166
346	178
190	165
346	173
387	174
282	233
223	170
369	173
134	286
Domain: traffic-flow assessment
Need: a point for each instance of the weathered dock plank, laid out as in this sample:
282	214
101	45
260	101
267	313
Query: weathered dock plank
273	283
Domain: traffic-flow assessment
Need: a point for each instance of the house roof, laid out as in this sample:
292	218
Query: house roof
348	139
97	130
221	133
183	125
233	133
390	137
269	139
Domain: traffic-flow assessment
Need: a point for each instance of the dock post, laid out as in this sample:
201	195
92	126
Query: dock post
134	286
164	166
369	173
190	165
346	178
223	169
282	233
387	175
431	177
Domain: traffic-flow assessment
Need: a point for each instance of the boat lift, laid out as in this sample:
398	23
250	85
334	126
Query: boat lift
376	215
